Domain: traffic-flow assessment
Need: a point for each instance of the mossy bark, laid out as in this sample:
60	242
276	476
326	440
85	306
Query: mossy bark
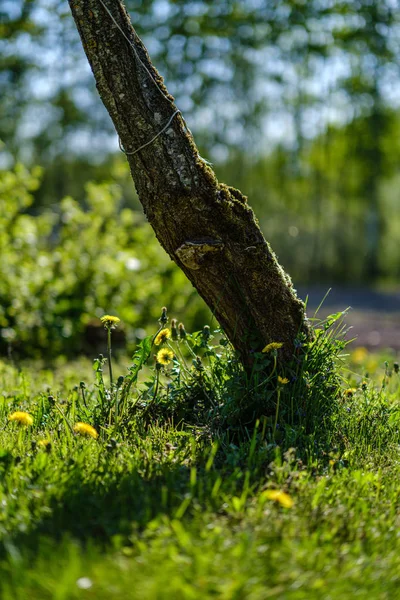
206	227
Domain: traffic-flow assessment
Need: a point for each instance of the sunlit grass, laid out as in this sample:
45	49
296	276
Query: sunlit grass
173	499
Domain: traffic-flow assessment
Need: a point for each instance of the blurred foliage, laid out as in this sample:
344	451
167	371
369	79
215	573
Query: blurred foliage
297	104
232	65
64	268
314	209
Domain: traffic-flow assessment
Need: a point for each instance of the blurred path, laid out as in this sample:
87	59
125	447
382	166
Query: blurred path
374	315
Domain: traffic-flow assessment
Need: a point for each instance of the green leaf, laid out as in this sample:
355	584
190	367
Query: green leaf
140	357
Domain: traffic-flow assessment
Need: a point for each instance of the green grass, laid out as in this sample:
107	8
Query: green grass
159	507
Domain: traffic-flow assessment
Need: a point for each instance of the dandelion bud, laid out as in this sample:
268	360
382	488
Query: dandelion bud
50	399
163	320
120	381
206	333
198	365
182	331
396	367
174	330
82	385
101	357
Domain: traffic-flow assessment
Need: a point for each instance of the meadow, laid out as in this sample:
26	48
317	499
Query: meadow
138	459
175	474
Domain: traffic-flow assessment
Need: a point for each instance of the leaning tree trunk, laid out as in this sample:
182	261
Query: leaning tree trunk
206	227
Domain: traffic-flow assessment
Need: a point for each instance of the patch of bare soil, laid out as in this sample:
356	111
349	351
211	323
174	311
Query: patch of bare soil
373	318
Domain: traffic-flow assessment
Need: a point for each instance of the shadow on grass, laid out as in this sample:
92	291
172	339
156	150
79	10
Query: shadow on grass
119	495
103	506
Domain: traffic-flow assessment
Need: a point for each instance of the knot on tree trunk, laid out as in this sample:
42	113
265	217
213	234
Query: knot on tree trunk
192	253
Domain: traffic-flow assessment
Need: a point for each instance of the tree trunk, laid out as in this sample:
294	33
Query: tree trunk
206	227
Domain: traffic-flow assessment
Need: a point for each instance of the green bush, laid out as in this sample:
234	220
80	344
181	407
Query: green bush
64	268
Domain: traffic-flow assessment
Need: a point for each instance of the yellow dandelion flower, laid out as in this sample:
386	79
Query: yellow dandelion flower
359	355
86	429
350	392
164	356
272	346
22	418
110	321
283	380
280	497
45	444
162	337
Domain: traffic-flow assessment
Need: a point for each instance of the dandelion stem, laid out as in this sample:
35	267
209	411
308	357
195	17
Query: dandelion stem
116	410
83	397
274	367
190	350
109	354
64	417
292	408
183	362
157	382
276	413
